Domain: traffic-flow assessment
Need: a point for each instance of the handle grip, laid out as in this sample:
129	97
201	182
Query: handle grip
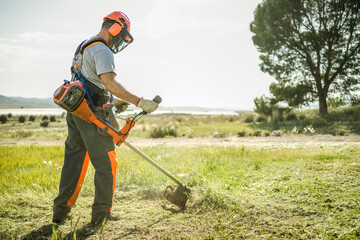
157	99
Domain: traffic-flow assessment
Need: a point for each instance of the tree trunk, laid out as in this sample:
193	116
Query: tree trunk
323	109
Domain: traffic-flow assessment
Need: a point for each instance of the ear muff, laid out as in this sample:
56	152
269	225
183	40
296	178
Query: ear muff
115	29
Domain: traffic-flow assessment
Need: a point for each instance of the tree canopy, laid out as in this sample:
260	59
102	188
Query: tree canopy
310	47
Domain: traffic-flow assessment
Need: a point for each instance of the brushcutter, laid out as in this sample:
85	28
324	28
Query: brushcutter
70	96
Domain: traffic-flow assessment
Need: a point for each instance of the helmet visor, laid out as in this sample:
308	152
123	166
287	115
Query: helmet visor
121	41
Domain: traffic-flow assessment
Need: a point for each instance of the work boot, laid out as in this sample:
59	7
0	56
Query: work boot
99	220
59	221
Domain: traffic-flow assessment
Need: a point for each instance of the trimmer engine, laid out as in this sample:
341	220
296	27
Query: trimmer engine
69	95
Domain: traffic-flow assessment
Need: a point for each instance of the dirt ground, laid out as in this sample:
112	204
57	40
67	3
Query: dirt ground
215	141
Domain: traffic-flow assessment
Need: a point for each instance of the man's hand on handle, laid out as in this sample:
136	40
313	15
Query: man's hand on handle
120	105
147	105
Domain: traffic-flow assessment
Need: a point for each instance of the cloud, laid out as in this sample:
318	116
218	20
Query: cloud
20	54
42	37
17	58
170	17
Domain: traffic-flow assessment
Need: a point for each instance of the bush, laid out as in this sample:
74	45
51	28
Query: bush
267	133
241	134
309	130
9	115
342	132
220	135
45	118
44	123
161	132
32	118
257	133
277	133
291	117
52	119
318	122
305	122
249	119
260	119
22	134
3	119
302	116
22	119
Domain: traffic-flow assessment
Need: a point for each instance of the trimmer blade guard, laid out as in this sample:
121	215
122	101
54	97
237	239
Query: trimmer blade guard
178	197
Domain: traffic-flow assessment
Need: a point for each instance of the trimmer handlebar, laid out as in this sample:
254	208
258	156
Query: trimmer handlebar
156	99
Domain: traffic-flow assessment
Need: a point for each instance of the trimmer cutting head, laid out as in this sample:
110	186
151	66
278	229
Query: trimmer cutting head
179	196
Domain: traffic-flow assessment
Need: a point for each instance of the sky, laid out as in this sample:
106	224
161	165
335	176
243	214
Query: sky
190	52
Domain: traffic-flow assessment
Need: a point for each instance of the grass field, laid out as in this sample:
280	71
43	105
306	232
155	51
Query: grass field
272	190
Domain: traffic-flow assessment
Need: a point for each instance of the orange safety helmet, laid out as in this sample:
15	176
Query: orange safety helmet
120	30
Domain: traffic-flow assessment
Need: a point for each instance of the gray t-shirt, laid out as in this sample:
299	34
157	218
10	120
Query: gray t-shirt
97	59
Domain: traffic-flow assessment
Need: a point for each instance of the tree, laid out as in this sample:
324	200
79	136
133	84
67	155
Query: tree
3	118
22	119
310	47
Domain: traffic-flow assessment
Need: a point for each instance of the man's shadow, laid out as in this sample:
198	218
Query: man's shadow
42	233
47	231
84	232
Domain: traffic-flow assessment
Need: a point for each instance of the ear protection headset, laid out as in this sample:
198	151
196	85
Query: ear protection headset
116	28
119	30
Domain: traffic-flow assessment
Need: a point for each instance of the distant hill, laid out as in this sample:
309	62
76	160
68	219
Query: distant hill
20	102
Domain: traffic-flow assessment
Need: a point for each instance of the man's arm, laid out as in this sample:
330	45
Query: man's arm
119	91
115	88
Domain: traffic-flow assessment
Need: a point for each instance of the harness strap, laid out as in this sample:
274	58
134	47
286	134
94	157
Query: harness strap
89	87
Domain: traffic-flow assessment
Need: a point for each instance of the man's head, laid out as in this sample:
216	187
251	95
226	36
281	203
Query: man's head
117	25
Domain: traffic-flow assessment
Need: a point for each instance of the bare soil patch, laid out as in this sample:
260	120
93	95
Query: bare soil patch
214	141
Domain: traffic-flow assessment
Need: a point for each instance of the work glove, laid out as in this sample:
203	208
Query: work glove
120	105
147	105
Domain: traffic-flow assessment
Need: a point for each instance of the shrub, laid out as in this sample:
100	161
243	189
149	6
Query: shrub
355	115
22	119
302	116
277	133
241	133
257	133
291	116
45	118
52	119
220	135
3	119
22	134
309	130
9	115
342	132
295	130
160	132
44	123
267	133
249	119
32	118
305	122
318	122
260	119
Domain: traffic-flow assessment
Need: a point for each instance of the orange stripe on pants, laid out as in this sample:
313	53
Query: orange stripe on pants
112	157
73	198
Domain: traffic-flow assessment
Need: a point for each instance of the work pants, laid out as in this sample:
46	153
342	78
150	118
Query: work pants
84	143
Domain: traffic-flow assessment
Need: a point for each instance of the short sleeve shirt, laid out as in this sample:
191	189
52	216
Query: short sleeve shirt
97	59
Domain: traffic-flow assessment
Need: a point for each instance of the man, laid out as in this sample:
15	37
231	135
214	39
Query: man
85	141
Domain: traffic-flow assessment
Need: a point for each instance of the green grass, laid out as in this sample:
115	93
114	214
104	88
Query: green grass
339	122
272	191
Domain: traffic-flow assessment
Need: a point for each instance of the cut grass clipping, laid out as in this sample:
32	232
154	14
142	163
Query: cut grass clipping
293	191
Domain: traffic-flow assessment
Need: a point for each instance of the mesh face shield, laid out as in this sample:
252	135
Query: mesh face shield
121	41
